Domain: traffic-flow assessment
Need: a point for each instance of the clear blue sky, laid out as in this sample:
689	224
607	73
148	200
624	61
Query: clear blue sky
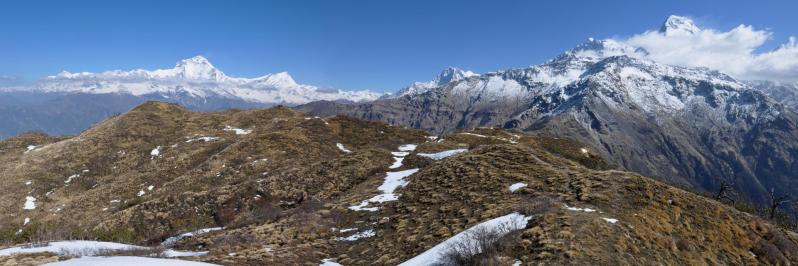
378	45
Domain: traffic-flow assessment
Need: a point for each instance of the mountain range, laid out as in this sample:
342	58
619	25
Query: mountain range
693	127
68	103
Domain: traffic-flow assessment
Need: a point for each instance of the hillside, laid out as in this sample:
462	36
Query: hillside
278	187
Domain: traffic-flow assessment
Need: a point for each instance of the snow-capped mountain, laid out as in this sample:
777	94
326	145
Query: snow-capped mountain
449	74
783	92
68	103
196	78
684	125
678	25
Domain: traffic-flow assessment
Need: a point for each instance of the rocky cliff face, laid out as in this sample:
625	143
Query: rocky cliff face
782	92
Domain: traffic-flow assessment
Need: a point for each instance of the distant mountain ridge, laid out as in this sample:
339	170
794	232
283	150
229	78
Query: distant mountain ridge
68	103
195	77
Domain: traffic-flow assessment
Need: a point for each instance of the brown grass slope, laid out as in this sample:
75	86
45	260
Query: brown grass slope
282	194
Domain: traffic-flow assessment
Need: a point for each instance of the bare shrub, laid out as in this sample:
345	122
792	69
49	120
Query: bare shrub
137	252
537	206
480	246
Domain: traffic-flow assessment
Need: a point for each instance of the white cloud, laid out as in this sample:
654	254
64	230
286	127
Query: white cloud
680	42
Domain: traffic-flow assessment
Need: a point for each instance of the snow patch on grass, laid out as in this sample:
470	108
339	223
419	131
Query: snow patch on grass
30	203
172	240
501	225
365	234
517	186
328	262
408	147
443	154
238	131
363	206
204	139
126	261
579	209
393	180
31	148
69	179
155	152
342	148
397	162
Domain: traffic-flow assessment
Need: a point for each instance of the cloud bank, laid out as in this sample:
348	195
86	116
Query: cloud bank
681	42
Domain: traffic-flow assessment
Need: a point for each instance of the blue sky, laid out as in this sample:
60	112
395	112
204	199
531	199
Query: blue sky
378	45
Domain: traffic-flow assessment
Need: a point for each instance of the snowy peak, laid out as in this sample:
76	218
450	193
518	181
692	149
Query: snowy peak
678	25
448	75
196	77
452	74
594	50
195	68
278	80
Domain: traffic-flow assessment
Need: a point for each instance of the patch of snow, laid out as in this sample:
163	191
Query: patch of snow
365	234
393	180
28	183
328	262
238	131
141	193
342	148
517	263
408	147
362	207
347	230
150	187
90	248
579	209
502	225
126	261
472	134
517	186
204	139
170	241
31	148
155	152
30	203
81	248
397	162
69	179
26	222
400	153
443	154
610	220
171	253
583	150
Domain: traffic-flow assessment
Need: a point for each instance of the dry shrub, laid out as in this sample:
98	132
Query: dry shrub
480	246
137	252
537	207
